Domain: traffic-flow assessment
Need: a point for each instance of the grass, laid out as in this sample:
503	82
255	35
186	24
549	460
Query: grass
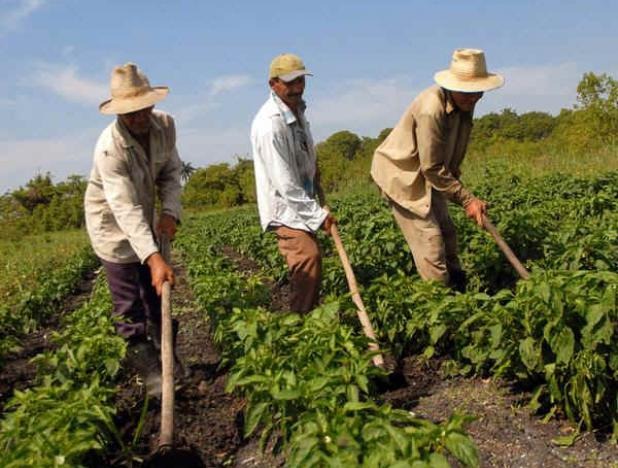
25	260
529	160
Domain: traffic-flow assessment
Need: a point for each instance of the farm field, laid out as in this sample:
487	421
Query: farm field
511	373
38	273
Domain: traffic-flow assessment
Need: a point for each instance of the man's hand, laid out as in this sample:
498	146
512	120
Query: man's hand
328	223
476	210
167	226
160	272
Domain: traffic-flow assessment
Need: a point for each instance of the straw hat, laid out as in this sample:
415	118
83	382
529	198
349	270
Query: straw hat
468	73
131	91
287	67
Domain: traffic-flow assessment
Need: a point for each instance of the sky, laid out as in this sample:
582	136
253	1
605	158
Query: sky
369	60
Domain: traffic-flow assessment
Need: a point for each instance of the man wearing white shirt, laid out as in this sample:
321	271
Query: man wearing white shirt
287	180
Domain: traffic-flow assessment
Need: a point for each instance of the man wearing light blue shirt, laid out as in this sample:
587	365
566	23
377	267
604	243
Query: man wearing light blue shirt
286	177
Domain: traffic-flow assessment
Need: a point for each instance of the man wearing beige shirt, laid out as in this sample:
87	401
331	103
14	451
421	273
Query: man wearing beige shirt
134	159
417	167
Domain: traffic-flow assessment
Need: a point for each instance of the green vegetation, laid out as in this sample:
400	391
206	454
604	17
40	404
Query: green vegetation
308	381
40	272
68	414
554	333
552	184
25	260
42	206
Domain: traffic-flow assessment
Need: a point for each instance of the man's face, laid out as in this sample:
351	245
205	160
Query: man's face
291	92
466	101
137	122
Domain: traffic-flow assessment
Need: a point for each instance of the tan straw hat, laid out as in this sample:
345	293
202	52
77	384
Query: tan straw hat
468	73
131	91
287	67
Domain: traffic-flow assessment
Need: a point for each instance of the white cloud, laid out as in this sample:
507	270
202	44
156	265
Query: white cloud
363	106
209	99
22	159
204	147
17	11
367	106
65	81
226	83
546	88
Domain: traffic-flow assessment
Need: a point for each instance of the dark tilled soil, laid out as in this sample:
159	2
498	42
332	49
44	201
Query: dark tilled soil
505	432
207	420
18	373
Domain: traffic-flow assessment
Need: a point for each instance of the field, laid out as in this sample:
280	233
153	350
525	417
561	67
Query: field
510	373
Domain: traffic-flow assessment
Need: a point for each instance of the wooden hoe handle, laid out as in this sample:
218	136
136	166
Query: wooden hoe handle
378	360
521	270
166	437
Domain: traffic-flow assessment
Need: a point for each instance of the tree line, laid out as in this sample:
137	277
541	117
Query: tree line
344	159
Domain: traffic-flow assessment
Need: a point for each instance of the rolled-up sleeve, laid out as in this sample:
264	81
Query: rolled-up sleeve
431	141
286	180
124	203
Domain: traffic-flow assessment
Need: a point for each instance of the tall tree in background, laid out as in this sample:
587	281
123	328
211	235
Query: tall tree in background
186	171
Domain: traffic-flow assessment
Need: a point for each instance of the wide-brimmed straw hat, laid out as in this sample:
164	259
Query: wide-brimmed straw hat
131	91
287	67
468	73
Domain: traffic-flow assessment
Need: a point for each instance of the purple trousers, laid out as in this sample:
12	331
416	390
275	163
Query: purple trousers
134	298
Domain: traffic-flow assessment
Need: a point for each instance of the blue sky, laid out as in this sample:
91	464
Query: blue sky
369	59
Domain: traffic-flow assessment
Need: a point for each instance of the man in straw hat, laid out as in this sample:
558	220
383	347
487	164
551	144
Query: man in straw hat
417	167
288	191
134	157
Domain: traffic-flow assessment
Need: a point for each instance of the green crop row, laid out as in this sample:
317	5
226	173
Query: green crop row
68	415
308	380
555	332
28	308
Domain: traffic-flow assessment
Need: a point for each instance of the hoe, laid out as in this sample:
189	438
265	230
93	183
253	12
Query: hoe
508	253
167	455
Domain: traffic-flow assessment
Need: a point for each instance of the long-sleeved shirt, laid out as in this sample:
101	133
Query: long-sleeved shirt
423	152
285	168
120	197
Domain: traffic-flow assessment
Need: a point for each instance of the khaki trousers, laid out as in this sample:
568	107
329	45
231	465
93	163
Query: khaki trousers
432	239
304	260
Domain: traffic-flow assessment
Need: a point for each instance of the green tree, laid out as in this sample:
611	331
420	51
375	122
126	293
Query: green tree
38	191
186	171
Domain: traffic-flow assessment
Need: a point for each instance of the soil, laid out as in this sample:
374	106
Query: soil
208	421
506	433
18	373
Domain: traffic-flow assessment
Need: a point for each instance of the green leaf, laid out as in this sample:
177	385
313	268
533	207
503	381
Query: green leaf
565	441
436	332
437	460
358	406
462	448
286	394
254	417
530	353
564	345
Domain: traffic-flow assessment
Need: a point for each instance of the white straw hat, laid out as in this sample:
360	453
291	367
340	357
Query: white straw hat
131	91
468	73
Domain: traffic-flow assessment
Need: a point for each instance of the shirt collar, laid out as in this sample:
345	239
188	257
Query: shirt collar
287	114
